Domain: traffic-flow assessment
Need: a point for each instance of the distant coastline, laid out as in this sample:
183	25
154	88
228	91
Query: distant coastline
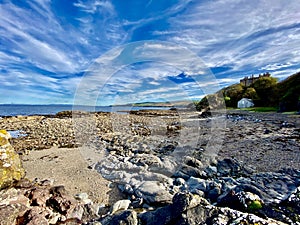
52	109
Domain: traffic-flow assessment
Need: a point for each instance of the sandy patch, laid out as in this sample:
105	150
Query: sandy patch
67	167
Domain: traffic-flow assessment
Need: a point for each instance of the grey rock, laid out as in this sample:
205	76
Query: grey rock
294	198
188	171
179	181
127	217
197	183
154	192
172	214
214	193
211	171
160	216
126	188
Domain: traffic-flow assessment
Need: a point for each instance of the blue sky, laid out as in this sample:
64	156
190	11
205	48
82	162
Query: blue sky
48	47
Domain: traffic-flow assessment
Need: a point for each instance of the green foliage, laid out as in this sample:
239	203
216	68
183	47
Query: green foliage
234	93
251	93
227	98
266	89
289	91
265	92
254	205
262	109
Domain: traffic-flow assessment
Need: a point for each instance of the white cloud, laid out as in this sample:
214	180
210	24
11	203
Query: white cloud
276	66
95	5
38	46
238	33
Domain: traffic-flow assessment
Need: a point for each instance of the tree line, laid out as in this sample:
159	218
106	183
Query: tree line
265	92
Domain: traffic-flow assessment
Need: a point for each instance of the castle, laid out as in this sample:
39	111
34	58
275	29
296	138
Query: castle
247	81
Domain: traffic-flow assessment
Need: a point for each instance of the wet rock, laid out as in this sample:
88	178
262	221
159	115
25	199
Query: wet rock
294	199
11	169
291	207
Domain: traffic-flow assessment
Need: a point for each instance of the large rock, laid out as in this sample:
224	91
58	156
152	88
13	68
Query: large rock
11	169
172	214
154	192
31	204
12	204
127	217
209	214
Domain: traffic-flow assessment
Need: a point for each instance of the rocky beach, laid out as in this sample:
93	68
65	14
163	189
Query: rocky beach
152	167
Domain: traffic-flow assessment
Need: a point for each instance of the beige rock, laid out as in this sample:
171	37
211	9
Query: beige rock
11	168
120	205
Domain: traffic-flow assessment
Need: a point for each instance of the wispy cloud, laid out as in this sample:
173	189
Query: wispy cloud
46	46
239	33
92	7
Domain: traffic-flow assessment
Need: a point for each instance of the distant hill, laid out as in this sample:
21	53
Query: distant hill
159	104
264	91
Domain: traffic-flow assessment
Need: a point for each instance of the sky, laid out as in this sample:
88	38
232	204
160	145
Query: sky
54	51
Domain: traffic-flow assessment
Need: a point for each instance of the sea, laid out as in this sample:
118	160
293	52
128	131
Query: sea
27	110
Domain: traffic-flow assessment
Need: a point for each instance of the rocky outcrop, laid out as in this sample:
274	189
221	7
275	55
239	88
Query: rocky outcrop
11	169
36	203
224	193
186	209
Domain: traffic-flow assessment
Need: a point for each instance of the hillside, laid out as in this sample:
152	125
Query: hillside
289	92
265	92
159	104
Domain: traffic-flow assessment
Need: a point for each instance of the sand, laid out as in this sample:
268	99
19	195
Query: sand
67	167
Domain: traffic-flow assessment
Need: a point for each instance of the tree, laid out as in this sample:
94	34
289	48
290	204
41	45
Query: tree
266	89
251	93
235	93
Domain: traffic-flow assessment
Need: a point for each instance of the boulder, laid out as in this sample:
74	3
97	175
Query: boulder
242	201
209	214
173	214
154	192
11	169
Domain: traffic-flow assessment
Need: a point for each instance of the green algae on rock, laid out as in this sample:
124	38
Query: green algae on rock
10	164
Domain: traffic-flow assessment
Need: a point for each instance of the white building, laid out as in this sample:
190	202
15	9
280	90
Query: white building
245	103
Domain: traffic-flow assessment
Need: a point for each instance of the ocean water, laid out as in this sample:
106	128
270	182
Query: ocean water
25	110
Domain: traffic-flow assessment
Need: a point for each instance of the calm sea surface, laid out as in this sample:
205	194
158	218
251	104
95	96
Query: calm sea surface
14	110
